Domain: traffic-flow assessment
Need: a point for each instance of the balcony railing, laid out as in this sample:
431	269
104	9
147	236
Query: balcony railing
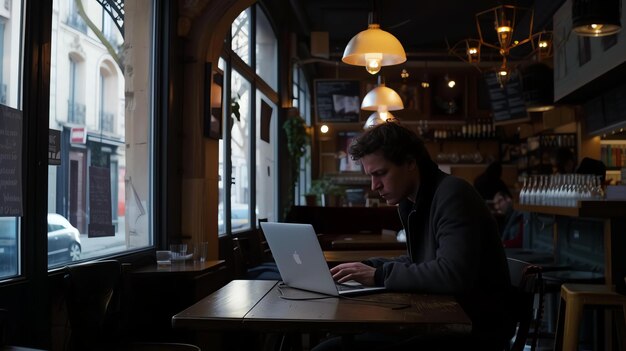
75	113
75	21
107	121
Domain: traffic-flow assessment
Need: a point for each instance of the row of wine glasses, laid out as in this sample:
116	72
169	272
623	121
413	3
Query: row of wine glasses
561	189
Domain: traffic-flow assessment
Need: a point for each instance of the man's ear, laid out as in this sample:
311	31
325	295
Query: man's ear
411	164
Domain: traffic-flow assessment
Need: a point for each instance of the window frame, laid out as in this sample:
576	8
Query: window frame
248	72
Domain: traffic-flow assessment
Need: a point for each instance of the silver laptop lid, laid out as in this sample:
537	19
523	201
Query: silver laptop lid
301	262
299	257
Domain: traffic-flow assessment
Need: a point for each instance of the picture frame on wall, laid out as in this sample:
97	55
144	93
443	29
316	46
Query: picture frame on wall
346	163
213	112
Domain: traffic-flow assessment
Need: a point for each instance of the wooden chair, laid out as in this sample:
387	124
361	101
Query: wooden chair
253	257
527	282
94	304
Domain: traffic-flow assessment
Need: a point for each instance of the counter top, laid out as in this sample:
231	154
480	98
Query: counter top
593	209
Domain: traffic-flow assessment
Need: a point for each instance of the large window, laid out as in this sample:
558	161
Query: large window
11	32
99	196
266	50
248	152
240	39
302	101
240	153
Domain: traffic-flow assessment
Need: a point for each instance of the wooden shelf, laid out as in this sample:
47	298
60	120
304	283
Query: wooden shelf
593	209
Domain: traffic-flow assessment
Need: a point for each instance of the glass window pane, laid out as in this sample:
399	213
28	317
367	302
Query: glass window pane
99	197
221	228
11	32
240	156
266	139
266	50
241	36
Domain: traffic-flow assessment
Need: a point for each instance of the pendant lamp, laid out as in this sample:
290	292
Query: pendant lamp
382	98
596	18
374	48
377	118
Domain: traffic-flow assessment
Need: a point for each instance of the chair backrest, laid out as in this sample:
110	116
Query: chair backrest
264	247
92	299
528	287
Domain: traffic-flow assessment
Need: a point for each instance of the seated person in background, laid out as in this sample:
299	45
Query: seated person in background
563	161
490	182
452	241
512	233
592	166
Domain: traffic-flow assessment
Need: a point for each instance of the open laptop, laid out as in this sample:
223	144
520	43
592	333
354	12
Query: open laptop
301	262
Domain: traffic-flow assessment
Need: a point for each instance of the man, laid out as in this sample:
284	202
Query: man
452	239
512	232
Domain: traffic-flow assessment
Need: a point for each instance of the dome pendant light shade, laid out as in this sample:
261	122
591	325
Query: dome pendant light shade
382	96
374	48
596	18
377	118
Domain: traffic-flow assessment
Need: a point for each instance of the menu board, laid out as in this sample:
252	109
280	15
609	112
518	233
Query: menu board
100	216
10	162
507	103
337	100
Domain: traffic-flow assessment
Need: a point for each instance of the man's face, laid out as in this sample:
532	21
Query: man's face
501	203
394	183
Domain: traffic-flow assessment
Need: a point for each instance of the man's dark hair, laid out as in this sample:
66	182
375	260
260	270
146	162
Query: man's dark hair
398	144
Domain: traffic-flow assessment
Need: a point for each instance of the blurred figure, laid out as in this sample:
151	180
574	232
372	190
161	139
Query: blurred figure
592	166
490	182
512	232
563	161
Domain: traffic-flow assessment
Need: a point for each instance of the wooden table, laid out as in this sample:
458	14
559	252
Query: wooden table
189	267
335	257
256	305
364	242
171	288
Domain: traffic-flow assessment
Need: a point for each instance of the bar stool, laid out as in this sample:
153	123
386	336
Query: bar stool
573	298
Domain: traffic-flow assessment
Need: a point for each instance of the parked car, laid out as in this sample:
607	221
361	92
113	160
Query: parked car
63	240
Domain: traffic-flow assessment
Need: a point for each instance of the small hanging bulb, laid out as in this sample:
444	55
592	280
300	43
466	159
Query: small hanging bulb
372	62
324	129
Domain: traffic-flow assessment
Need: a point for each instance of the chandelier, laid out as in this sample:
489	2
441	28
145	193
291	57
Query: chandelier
501	39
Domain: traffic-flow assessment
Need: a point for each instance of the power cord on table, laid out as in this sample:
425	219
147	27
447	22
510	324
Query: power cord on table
282	295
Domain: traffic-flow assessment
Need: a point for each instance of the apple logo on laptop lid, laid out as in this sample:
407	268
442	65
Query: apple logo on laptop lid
296	257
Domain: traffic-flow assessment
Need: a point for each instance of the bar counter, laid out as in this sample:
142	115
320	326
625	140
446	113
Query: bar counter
613	214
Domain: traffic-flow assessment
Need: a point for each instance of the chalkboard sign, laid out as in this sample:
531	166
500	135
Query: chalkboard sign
507	103
10	162
337	100
100	216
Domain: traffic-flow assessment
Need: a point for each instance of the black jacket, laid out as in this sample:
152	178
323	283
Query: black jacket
453	248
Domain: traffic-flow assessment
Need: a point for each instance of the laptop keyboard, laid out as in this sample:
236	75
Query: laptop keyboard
344	287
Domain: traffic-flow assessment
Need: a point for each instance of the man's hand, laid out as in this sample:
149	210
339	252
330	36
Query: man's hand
356	271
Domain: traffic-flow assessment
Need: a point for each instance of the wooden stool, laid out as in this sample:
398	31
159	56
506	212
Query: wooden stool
573	298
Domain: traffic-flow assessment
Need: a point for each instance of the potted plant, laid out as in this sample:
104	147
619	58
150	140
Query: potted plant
297	139
327	192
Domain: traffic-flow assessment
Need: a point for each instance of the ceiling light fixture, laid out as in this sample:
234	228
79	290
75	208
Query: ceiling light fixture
374	48
596	18
377	118
382	100
506	37
451	83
